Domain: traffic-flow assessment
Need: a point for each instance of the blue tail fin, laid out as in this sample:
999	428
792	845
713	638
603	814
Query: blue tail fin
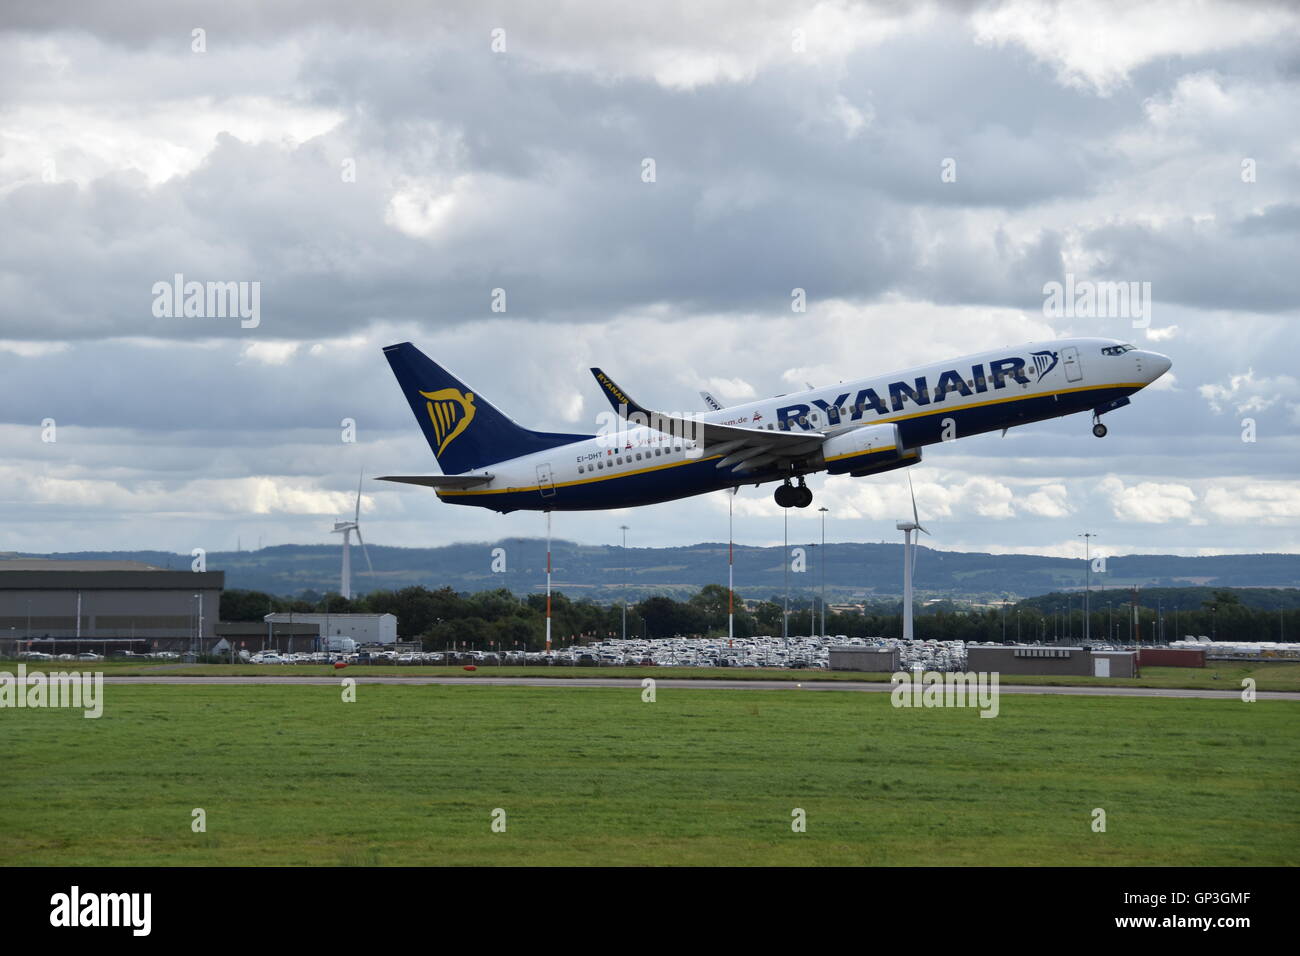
462	428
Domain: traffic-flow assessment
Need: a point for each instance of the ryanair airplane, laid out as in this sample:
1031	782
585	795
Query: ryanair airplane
858	428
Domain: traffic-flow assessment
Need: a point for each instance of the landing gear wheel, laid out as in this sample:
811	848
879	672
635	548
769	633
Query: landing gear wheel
1099	430
803	496
785	495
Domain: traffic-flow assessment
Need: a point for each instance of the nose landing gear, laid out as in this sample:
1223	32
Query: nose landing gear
1098	428
793	496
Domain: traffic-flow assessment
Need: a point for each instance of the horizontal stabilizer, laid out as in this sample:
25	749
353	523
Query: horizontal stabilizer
440	481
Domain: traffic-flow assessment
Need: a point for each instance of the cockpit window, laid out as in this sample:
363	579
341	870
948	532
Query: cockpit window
1117	349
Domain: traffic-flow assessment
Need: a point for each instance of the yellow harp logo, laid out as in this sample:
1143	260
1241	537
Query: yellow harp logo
450	412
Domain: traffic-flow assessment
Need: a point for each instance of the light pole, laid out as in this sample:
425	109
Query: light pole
731	582
1087	537
823	511
623	528
785	563
548	583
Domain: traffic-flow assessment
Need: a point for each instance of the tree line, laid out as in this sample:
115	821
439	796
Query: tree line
445	618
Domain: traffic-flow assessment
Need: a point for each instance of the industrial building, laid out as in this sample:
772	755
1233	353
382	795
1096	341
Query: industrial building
857	658
1037	659
362	628
73	606
111	606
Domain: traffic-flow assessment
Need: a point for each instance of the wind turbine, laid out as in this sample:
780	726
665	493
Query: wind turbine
909	560
346	528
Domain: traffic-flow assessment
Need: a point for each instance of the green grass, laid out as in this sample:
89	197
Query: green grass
411	774
1281	677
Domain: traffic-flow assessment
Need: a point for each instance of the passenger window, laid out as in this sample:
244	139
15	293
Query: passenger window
579	469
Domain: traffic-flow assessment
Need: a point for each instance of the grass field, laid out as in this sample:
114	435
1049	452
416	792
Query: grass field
1282	677
411	775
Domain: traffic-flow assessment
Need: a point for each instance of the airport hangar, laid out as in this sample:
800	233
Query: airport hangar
102	606
111	606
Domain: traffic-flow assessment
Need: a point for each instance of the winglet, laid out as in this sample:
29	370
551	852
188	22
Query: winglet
622	402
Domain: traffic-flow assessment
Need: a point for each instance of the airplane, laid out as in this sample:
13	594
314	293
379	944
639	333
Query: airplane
864	427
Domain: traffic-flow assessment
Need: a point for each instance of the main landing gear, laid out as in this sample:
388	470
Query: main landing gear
793	496
1098	428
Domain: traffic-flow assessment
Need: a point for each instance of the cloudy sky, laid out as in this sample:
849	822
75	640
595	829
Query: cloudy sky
381	167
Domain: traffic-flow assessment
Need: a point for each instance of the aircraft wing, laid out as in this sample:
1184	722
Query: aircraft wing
440	481
745	448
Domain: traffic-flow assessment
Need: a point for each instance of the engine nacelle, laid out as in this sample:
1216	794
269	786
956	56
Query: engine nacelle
867	451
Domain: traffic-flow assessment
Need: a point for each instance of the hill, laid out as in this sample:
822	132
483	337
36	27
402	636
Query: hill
605	572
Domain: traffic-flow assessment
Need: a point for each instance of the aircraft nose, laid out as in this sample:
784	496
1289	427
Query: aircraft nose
1155	365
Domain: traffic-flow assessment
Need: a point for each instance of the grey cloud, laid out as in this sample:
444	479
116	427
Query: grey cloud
761	187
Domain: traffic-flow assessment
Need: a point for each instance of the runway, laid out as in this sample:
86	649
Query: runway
632	683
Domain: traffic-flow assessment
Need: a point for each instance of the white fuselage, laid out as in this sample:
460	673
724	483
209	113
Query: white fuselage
627	465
